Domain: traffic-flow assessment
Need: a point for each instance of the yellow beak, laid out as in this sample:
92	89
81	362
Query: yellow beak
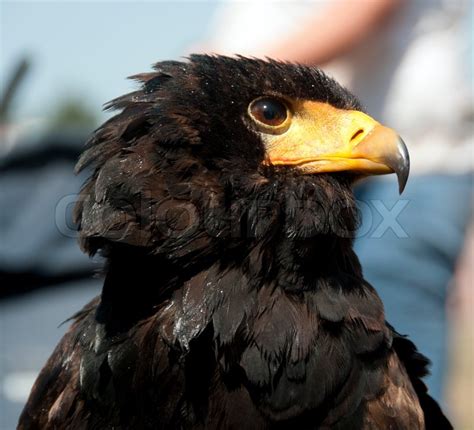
322	138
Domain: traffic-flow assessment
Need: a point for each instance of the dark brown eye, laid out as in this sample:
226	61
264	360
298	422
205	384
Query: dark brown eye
269	111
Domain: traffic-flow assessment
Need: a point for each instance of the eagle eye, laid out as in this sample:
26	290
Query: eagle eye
269	112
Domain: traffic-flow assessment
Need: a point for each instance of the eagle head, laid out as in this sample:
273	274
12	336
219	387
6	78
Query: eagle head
219	154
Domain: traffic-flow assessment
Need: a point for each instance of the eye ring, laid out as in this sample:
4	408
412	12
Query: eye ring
271	114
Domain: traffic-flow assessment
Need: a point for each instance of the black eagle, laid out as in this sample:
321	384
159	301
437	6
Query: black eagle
220	195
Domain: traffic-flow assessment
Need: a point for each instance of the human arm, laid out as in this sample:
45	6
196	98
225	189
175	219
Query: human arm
341	26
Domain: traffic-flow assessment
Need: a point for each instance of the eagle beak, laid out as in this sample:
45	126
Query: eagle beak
322	139
381	151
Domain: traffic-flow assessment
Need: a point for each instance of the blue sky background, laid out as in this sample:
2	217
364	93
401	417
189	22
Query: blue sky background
86	49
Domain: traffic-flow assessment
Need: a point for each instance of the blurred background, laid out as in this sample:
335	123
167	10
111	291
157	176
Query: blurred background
61	61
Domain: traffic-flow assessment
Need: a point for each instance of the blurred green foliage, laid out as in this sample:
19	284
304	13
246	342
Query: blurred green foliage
72	112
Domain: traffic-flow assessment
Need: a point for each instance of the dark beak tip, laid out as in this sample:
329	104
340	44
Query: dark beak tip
402	182
403	168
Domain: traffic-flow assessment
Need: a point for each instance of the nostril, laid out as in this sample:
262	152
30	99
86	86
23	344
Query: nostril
357	134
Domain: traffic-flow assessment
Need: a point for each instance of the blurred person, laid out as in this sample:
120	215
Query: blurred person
407	62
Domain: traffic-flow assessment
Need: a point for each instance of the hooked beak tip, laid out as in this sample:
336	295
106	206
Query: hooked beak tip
402	167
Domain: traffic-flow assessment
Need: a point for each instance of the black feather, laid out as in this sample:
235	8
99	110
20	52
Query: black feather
230	299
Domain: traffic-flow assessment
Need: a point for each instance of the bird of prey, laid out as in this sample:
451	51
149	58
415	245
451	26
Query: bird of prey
220	195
